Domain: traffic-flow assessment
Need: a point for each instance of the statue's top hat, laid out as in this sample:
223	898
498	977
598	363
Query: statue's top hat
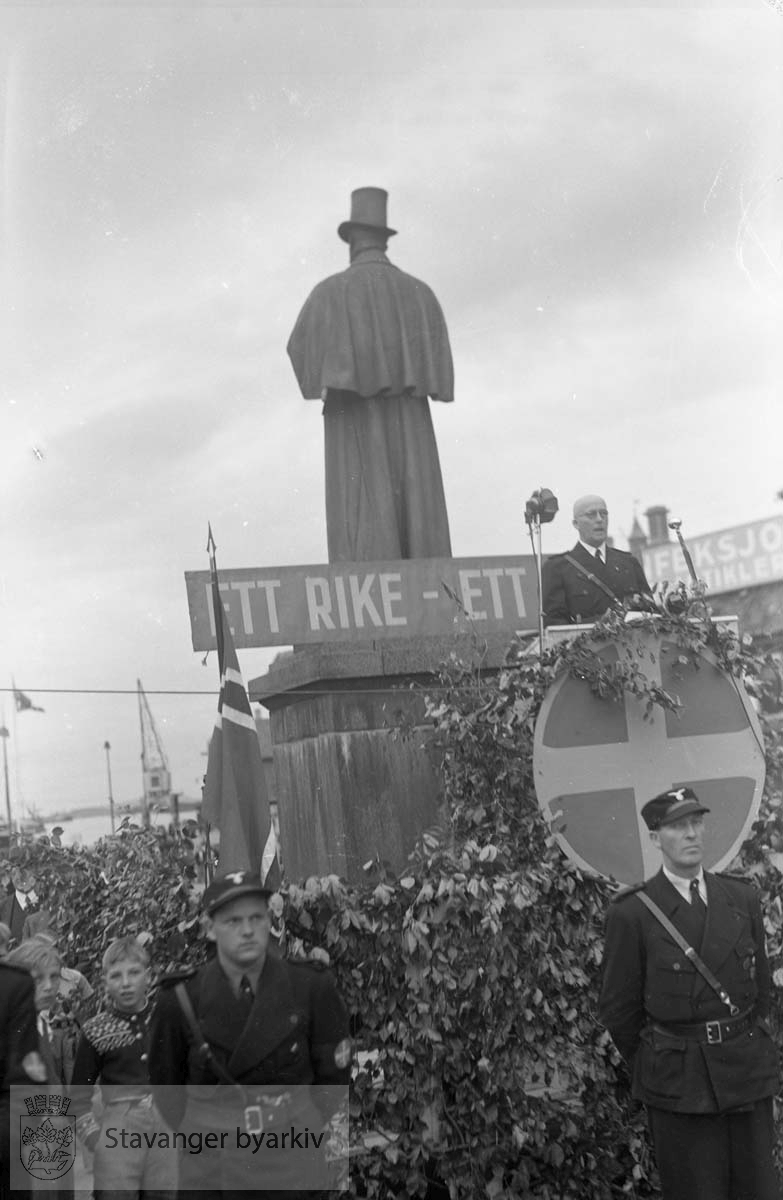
368	211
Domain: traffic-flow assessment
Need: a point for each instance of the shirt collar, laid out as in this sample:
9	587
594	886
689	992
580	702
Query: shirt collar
592	549
683	885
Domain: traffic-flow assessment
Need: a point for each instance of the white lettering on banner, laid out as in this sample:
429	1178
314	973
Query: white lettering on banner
515	575
342	603
469	592
749	546
771	536
493	574
267	586
319	604
661	563
243	587
360	595
333	602
387	596
731	558
224	587
702	554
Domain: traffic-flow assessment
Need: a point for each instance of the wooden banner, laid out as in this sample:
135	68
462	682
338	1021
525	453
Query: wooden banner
285	606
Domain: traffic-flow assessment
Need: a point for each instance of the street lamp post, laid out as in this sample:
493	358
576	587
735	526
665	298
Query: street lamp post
4	734
107	748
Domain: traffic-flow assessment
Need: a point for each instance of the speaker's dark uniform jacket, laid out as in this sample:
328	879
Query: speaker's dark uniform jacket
650	987
570	597
296	1034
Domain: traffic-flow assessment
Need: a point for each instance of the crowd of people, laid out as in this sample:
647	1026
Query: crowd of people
269	1034
685	996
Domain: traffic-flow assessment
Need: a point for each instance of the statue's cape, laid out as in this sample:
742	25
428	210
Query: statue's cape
372	329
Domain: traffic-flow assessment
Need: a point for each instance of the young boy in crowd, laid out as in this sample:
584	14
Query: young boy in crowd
114	1050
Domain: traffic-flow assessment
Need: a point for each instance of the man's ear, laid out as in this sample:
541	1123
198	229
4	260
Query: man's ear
209	929
655	838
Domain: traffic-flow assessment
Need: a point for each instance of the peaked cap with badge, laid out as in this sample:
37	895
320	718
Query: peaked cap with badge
230	887
672	806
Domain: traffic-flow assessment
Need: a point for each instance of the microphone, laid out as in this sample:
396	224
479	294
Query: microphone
541	507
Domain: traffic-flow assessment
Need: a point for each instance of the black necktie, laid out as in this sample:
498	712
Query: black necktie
598	555
245	993
697	904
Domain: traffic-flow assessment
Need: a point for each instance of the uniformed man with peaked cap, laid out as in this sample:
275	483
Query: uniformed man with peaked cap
258	1026
685	996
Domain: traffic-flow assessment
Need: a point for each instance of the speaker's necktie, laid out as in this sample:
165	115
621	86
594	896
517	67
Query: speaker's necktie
598	556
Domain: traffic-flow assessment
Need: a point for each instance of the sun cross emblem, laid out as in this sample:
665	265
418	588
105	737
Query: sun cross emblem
597	762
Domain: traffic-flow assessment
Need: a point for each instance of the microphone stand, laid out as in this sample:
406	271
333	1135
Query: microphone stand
532	521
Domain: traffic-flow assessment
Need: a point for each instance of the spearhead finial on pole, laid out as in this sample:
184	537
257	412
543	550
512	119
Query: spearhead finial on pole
677	527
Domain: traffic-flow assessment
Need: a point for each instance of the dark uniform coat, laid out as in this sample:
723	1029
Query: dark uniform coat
18	1038
650	987
570	597
296	1034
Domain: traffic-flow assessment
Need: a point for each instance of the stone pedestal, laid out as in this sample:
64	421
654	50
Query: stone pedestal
352	778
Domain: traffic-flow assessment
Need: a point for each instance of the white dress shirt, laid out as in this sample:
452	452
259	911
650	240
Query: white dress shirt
592	549
683	885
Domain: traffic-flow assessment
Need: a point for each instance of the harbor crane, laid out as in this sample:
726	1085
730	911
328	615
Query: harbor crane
154	764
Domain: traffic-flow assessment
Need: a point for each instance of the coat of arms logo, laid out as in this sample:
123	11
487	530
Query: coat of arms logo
46	1144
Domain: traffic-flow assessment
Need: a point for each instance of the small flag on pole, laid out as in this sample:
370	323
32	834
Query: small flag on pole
235	794
24	703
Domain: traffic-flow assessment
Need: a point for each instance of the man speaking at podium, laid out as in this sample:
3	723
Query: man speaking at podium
579	587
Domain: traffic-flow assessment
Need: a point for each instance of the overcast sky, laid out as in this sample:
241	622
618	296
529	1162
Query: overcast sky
595	197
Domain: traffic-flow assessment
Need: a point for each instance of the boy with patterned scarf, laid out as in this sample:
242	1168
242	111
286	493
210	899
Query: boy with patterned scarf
114	1050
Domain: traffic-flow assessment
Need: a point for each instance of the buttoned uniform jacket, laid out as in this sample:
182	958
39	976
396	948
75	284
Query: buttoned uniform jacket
649	984
570	597
296	1035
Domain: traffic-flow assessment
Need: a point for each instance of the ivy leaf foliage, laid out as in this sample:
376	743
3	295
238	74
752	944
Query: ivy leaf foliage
472	975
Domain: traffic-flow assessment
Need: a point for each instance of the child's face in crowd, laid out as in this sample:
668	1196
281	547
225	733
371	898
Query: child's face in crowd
126	984
47	981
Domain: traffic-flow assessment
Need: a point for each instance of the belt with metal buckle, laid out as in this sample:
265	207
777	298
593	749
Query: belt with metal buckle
711	1033
262	1112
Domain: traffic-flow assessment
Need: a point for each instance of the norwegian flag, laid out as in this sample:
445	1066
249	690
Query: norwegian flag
235	796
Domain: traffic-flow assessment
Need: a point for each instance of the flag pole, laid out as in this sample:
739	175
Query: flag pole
4	734
209	866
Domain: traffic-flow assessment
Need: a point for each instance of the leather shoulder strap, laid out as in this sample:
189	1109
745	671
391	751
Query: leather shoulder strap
589	575
689	952
180	991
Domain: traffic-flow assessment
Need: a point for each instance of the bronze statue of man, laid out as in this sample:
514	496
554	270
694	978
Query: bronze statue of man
371	342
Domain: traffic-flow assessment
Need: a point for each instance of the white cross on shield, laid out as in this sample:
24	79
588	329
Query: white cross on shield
597	761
